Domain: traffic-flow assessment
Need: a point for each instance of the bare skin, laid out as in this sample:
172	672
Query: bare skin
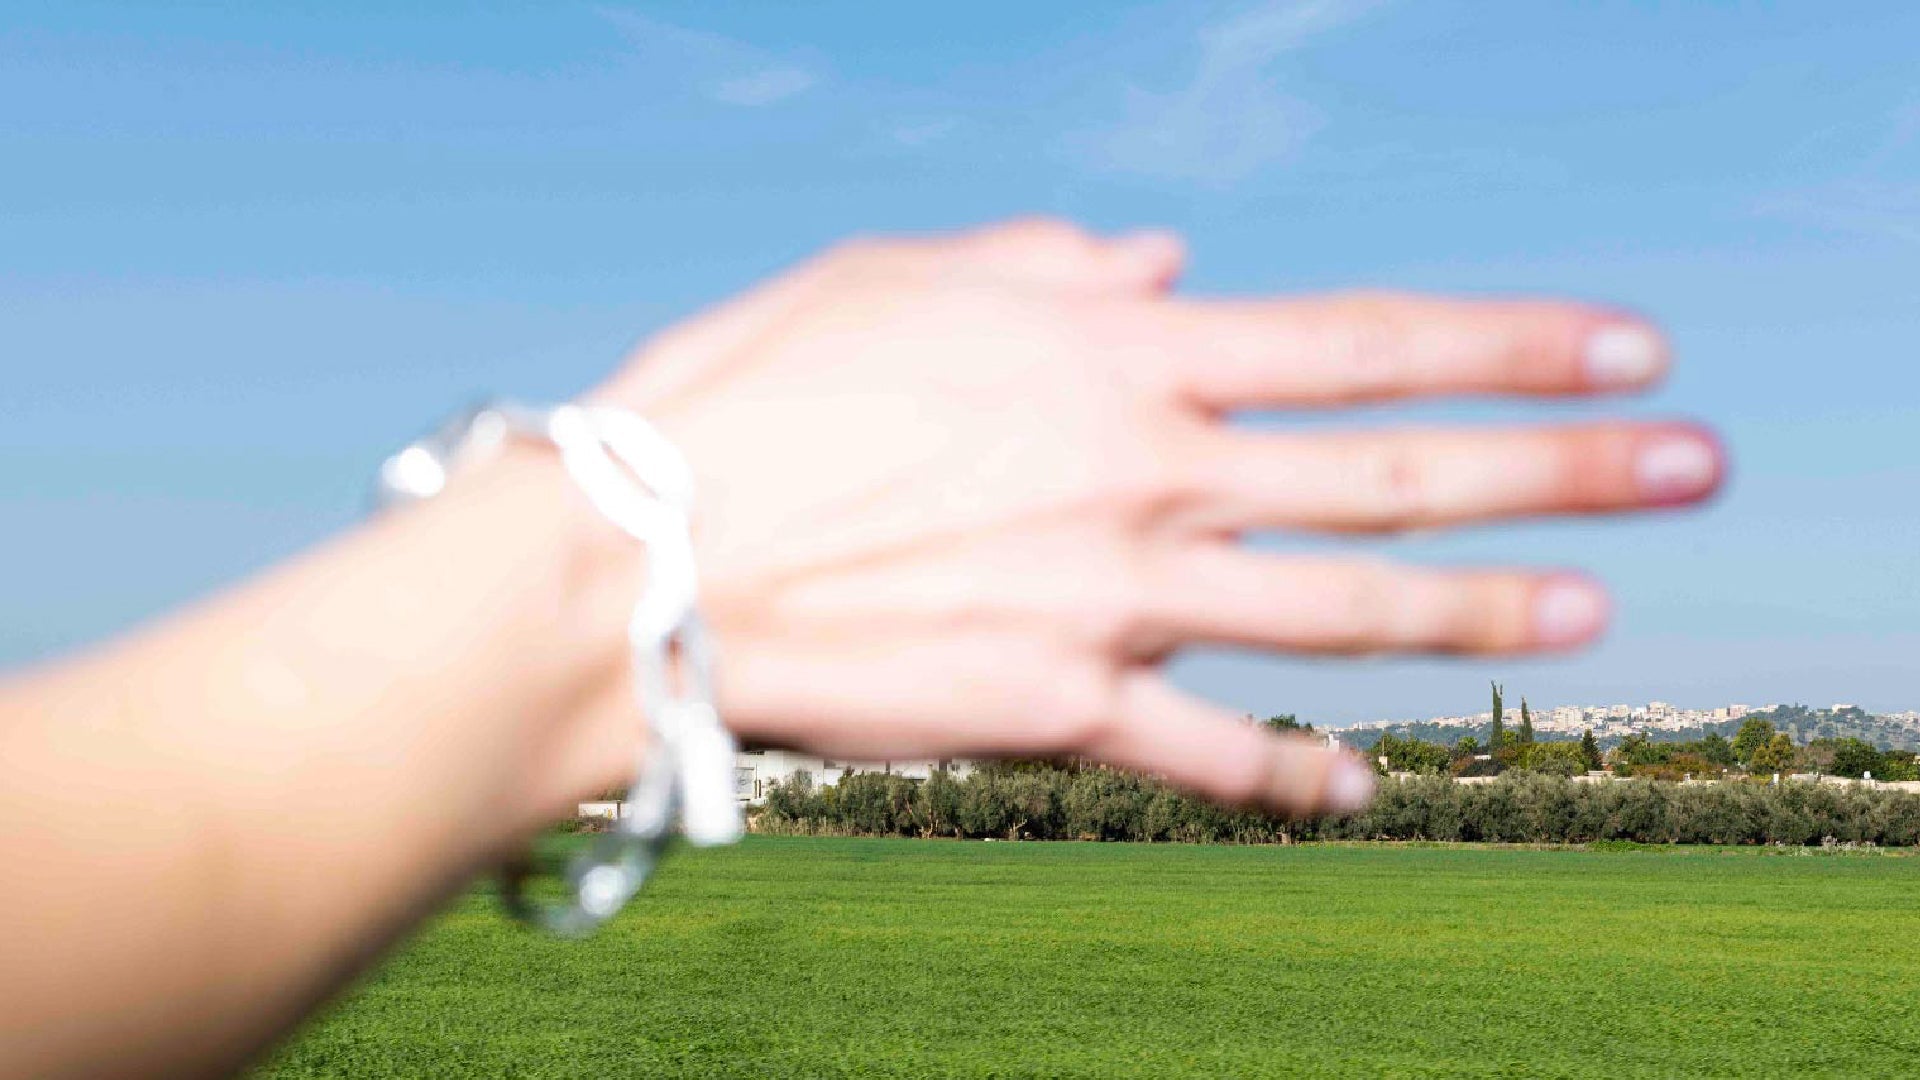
959	496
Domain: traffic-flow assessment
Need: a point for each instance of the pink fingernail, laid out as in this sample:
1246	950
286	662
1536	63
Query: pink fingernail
1624	355
1676	467
1350	786
1568	612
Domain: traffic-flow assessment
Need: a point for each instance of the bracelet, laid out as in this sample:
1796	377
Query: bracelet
636	479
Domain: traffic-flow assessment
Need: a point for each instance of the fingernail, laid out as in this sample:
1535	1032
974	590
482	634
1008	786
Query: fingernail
1350	787
1624	355
1567	612
1675	467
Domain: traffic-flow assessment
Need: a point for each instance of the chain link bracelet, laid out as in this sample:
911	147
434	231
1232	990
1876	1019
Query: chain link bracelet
636	479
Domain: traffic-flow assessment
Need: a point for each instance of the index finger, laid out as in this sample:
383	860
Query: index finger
1240	354
1199	746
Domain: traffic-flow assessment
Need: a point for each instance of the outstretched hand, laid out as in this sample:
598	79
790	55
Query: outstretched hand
964	496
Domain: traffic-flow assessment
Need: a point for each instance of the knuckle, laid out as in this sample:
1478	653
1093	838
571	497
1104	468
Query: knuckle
1040	231
1086	707
1163	477
854	250
1377	305
1146	494
1572	477
1253	782
1369	336
1452	612
1125	617
1488	615
1299	776
866	256
1044	241
1394	488
1513	352
1359	611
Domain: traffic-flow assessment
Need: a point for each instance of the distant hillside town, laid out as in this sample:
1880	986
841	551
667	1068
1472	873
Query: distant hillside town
1661	722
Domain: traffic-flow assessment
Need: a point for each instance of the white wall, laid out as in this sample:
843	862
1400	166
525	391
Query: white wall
755	770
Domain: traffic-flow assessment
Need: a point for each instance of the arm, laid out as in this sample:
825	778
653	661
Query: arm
958	497
215	821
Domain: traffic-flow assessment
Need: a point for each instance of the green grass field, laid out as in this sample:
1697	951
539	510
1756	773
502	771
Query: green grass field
796	957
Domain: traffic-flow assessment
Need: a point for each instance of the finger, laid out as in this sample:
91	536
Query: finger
1241	354
1214	753
1060	255
1414	479
1226	594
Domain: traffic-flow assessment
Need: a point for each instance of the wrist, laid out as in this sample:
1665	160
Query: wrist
580	574
569	580
630	474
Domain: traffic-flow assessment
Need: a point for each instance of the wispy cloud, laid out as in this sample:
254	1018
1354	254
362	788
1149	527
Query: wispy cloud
721	69
1232	116
1228	114
764	87
1878	194
923	132
1877	210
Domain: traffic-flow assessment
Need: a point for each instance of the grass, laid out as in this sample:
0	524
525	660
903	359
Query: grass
814	957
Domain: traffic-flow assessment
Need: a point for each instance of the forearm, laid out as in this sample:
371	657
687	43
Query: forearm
218	819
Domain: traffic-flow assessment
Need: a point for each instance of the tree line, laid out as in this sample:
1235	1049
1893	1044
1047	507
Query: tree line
1042	801
1531	796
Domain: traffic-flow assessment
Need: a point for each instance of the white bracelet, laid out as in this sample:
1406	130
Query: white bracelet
638	481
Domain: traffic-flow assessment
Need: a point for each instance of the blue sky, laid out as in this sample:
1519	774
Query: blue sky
246	248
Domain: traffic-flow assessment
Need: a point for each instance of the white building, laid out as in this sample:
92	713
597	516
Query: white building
756	770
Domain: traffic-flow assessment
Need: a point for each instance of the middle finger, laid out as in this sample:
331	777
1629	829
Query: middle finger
1407	479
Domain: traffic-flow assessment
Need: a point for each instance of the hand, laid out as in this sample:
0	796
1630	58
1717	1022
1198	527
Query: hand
963	496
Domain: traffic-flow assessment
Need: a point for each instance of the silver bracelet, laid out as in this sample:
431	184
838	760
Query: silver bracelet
637	480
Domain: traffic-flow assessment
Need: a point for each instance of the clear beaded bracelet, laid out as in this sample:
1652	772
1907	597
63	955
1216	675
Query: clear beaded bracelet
636	479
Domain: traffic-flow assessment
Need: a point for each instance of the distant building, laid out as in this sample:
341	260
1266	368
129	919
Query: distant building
755	771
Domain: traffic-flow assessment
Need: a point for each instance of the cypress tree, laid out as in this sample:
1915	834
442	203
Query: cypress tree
1526	723
1499	721
1590	748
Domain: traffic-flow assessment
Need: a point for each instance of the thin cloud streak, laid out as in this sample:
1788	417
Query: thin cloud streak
1232	117
721	69
923	133
1878	198
763	87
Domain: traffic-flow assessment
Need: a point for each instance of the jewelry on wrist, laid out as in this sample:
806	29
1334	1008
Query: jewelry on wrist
637	480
